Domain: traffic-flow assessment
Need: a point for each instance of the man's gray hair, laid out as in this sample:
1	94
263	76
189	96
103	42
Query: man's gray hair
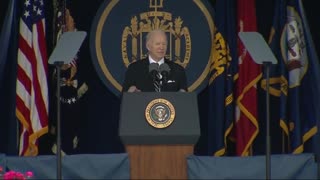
155	31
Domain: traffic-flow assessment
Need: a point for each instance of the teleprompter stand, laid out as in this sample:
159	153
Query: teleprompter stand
261	54
65	50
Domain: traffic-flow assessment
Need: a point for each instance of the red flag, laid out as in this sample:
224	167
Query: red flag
249	73
32	86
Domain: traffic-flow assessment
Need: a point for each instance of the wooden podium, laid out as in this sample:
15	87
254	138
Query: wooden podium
158	161
159	153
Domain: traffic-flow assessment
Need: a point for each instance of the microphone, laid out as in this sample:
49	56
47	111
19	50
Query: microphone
164	70
153	70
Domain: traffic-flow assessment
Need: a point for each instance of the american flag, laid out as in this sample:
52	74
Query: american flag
32	86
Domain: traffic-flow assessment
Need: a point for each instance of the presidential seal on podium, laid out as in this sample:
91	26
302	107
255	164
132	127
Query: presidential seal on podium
160	113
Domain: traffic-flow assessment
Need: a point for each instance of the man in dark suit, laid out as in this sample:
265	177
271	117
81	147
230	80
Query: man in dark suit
138	76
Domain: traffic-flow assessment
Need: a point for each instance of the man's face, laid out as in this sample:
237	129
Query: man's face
157	45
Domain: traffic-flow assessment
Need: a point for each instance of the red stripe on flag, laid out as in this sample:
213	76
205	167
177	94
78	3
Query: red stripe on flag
39	102
25	112
26	142
23	77
25	48
42	45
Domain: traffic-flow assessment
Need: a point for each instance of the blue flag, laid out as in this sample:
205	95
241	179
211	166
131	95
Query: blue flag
297	74
303	73
222	72
5	36
8	46
278	73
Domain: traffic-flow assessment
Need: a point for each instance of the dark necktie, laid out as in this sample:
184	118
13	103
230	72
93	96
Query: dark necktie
157	83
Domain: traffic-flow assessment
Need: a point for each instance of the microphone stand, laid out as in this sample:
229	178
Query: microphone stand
159	78
164	79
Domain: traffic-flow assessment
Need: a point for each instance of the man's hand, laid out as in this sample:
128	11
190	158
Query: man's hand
134	89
